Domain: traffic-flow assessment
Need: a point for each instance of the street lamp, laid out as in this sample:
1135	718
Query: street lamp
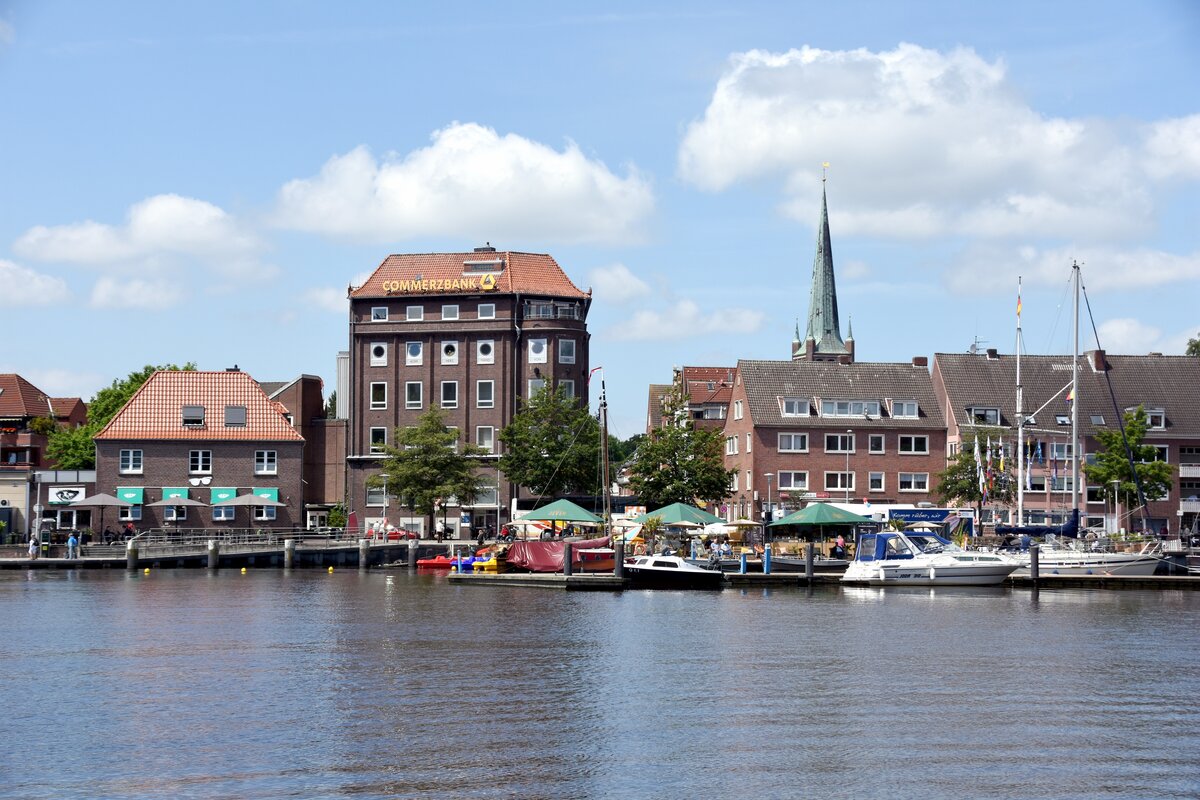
846	478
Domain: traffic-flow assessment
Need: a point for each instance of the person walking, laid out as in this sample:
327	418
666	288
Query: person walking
34	545
72	547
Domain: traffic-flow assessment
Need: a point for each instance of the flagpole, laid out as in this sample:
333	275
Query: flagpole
1020	420
1075	397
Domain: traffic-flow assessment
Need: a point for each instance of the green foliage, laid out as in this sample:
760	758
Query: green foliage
959	482
43	426
552	446
424	468
337	516
1112	463
331	405
72	448
1193	347
621	451
678	463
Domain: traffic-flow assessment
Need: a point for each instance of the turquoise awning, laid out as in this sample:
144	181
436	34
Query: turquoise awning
171	492
269	494
221	494
131	494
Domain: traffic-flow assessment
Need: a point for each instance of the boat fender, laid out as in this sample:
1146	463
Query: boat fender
640	550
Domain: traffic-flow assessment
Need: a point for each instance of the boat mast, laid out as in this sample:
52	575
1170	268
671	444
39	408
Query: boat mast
1075	451
604	458
1020	454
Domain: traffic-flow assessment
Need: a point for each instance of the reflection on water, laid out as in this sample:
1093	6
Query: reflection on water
309	684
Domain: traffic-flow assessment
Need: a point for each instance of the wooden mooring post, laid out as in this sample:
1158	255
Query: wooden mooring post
1033	563
289	553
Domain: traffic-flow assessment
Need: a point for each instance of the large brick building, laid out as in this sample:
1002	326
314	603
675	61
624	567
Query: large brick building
474	333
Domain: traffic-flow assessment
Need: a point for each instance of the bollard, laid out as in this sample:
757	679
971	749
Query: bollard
567	559
214	554
289	553
412	554
364	553
742	566
1033	563
131	555
808	562
766	559
619	559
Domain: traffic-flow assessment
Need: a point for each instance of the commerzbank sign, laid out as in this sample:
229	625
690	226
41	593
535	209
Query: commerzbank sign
485	283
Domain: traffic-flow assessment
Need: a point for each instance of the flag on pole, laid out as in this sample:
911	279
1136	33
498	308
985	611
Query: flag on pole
979	466
1038	457
1018	302
593	372
1071	395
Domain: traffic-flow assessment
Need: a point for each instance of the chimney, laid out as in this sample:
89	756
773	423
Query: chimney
920	361
487	248
1099	362
993	354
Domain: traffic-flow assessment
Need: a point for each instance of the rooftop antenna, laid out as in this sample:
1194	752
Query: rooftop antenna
974	348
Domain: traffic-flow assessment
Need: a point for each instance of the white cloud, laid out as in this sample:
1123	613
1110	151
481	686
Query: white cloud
1129	336
24	287
327	299
8	34
684	320
62	382
470	183
995	268
160	232
151	295
617	284
925	143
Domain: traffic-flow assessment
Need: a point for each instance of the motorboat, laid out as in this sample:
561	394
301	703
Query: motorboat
923	559
670	572
1057	556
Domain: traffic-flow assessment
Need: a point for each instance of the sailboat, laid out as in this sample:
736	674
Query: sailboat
1062	552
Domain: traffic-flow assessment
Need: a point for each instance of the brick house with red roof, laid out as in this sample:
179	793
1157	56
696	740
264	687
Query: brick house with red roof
474	333
204	436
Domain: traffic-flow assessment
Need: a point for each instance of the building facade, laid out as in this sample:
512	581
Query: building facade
473	333
208	437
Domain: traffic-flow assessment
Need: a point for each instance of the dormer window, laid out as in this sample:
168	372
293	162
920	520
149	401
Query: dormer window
1156	419
905	409
193	416
792	406
982	415
849	408
235	417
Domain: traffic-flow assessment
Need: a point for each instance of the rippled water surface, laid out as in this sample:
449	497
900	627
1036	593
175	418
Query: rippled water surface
309	684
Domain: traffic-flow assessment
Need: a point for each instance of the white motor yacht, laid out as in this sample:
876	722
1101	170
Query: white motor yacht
1057	556
923	559
670	572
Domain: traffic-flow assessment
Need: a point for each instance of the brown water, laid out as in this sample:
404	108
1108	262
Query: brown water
312	685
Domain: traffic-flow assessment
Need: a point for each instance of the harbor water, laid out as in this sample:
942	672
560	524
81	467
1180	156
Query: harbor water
308	684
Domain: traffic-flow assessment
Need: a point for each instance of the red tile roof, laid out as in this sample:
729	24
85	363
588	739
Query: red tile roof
156	410
69	408
20	398
699	378
531	273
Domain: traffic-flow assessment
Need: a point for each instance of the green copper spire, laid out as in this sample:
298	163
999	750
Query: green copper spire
822	306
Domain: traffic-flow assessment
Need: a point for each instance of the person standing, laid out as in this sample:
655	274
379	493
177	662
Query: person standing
72	547
839	548
33	547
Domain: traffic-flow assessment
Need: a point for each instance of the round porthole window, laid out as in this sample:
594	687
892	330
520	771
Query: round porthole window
378	351
450	350
485	349
414	349
537	347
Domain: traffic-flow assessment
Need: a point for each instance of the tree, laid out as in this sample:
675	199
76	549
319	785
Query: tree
331	405
427	467
1112	463
959	482
679	463
1193	347
73	448
337	516
552	446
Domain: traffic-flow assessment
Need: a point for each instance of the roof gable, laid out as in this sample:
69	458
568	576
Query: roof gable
20	398
409	274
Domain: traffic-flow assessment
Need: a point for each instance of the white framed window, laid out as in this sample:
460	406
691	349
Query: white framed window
376	496
1037	483
875	443
733	482
737	409
378	314
731	443
414	313
131	462
1061	451
174	513
485	352
794	406
449	313
378	439
266	462
485	394
566	351
449	394
487	311
264	513
449	352
839	443
414	354
914	481
875	482
379	354
914	445
537	351
849	408
749	443
378	395
1062	484
224	513
200	462
193	416
984	415
414	394
567	386
905	409
839	481
793	442
485	437
129	513
536	385
1156	418
795	481
453	444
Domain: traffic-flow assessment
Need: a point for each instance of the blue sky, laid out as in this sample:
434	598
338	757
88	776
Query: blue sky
201	182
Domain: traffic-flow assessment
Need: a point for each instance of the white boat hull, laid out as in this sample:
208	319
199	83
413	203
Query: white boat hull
939	571
1070	563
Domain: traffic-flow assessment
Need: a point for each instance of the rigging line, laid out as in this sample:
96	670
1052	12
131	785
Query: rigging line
1137	481
1060	308
563	457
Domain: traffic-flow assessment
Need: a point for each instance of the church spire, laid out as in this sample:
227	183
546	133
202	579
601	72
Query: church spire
822	306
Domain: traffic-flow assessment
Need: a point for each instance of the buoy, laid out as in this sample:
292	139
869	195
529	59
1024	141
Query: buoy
331	569
243	570
146	571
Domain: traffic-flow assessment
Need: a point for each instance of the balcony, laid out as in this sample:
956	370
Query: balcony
1189	506
1189	470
